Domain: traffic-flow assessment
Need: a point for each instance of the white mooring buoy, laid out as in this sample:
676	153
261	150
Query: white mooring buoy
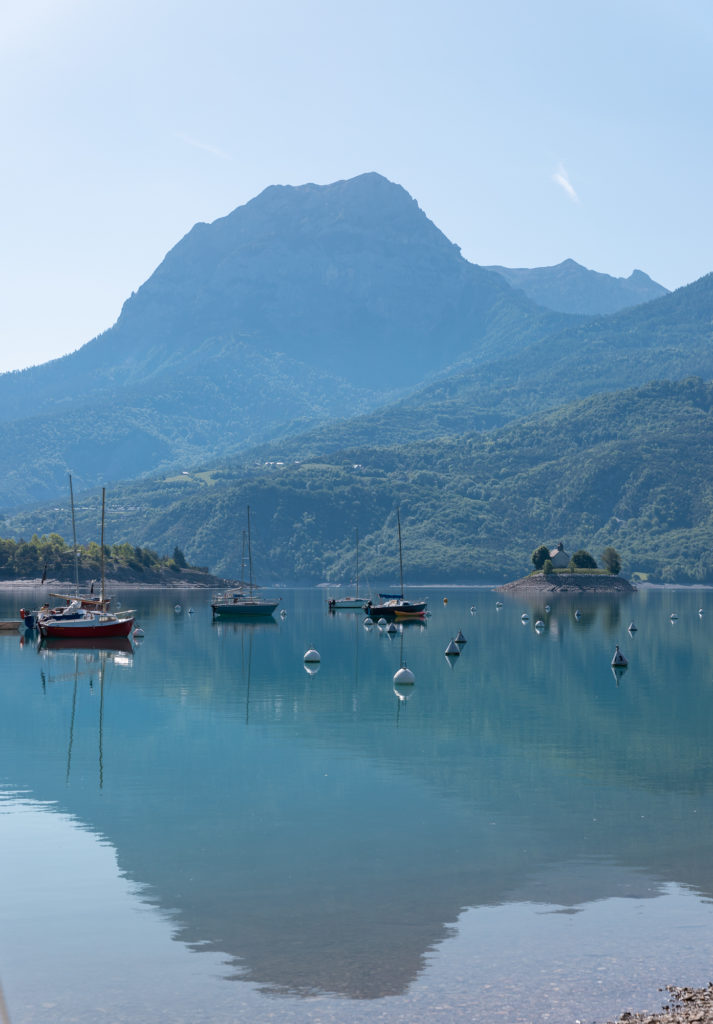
460	639
452	648
312	656
404	677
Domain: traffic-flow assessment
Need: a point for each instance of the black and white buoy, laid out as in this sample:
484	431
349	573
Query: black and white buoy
618	661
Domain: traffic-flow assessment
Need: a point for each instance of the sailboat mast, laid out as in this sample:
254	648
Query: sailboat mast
74	540
250	555
401	560
102	546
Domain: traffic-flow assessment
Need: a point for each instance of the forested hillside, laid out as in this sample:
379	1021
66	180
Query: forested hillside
629	469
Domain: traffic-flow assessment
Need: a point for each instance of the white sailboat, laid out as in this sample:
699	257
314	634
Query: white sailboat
349	603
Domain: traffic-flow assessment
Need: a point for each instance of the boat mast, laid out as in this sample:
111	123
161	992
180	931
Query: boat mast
102	540
250	555
357	560
242	563
74	540
401	560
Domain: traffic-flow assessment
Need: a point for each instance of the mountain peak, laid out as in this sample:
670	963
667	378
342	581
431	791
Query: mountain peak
569	287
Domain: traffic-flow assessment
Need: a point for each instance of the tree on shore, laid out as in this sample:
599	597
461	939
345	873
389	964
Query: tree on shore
539	555
548	568
611	561
582	560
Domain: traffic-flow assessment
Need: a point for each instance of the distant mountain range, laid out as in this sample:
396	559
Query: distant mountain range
336	327
571	288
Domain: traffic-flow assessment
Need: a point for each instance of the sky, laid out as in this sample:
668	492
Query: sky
529	133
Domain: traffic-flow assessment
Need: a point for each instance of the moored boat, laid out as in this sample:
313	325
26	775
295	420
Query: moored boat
235	603
396	605
89	626
355	603
10	625
73	622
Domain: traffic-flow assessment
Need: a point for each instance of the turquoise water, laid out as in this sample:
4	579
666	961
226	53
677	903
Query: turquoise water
194	828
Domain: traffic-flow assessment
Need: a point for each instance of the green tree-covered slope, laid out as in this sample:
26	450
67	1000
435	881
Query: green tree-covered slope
631	469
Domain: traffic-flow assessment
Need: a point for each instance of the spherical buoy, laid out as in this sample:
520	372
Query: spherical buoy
368	622
138	632
404	677
283	614
700	612
498	604
632	627
381	622
312	656
391	628
547	609
673	616
190	611
177	609
460	639
618	661
472	609
539	625
525	617
452	648
577	614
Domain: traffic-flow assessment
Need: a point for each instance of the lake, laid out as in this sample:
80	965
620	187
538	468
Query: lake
194	828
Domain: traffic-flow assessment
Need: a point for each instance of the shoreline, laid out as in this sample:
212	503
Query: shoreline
569	583
115	584
686	1005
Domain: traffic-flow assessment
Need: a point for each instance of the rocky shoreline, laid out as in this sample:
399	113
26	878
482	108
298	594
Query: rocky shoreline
569	583
186	579
685	1006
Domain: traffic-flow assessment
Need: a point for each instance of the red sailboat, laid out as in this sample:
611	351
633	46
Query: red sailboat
76	622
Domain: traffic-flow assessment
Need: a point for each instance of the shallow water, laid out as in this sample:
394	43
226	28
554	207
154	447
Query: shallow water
194	828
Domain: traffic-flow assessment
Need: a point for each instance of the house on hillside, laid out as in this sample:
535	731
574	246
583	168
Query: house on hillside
559	557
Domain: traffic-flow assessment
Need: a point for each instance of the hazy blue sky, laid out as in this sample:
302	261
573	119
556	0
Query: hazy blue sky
528	132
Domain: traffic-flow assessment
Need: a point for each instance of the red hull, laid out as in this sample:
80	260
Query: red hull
86	631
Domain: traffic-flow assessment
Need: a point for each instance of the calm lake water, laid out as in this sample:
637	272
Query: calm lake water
194	828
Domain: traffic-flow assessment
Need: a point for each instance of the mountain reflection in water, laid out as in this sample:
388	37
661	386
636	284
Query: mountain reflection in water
324	835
